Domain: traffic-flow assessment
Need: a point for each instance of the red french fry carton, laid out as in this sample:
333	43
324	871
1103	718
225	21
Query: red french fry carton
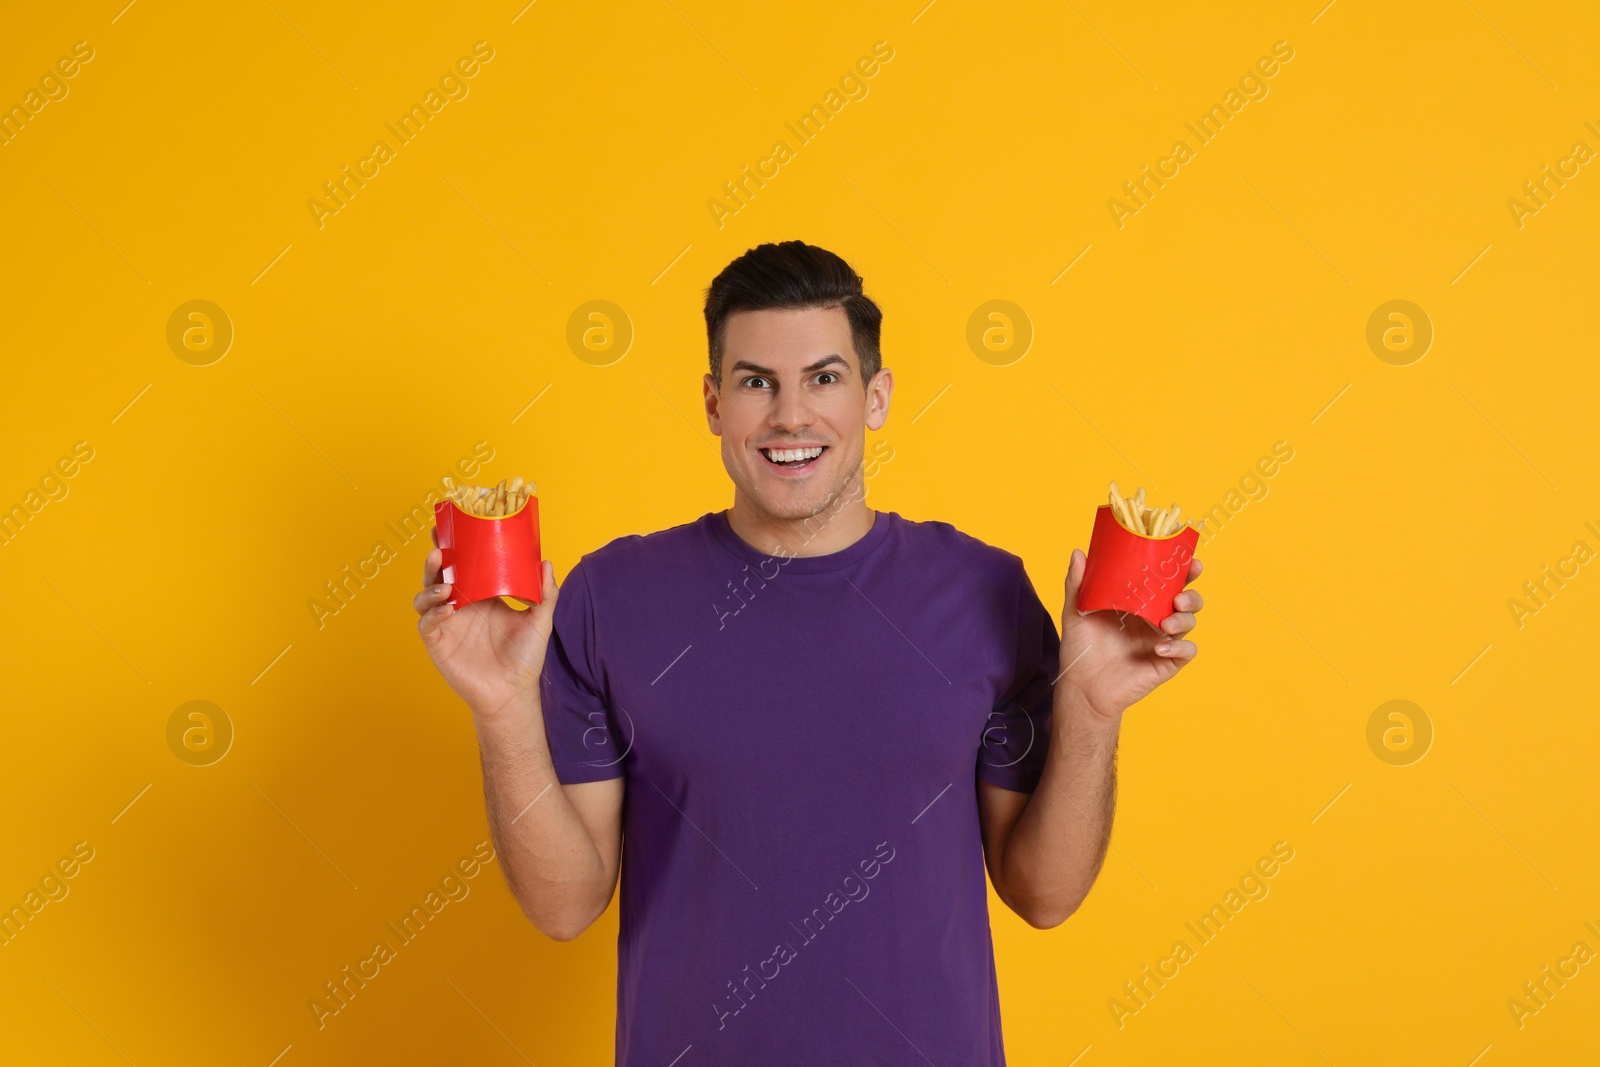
483	558
1130	572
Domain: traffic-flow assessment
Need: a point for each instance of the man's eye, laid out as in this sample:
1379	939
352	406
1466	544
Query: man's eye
827	377
756	382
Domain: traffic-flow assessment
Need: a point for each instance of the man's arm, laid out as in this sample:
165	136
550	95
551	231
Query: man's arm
559	846
1044	849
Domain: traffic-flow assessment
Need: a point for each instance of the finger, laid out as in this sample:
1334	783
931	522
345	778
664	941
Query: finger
1195	567
430	620
429	598
1075	567
1188	600
544	611
1183	651
1180	622
431	567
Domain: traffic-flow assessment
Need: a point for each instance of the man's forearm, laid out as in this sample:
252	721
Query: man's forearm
1055	850
549	857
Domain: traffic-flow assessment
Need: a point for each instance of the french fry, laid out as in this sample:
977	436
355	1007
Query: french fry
1119	508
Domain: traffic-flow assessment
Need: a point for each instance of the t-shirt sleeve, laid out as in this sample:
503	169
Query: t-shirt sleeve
1016	737
585	744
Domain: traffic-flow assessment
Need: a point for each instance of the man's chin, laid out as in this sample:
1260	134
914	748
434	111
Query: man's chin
793	502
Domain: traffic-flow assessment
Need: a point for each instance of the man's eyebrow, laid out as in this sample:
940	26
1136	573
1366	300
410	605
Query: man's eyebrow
826	361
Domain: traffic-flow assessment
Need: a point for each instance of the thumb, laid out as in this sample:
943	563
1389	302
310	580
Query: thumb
546	608
1075	568
547	595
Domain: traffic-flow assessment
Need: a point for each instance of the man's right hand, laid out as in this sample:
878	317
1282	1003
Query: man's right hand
489	652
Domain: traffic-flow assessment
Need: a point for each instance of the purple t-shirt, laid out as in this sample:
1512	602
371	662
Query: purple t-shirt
802	871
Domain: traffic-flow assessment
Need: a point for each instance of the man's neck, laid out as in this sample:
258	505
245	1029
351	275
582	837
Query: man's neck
840	524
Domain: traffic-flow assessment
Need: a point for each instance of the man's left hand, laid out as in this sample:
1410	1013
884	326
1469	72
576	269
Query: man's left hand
1110	659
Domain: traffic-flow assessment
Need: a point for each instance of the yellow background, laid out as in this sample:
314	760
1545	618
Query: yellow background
428	313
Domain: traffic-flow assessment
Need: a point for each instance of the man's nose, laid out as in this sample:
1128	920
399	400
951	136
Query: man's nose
792	411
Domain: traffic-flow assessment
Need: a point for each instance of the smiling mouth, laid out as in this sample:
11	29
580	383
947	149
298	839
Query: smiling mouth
793	459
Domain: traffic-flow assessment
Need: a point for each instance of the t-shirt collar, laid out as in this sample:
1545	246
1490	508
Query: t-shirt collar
722	531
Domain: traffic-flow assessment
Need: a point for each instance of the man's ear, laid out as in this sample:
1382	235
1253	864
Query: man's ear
878	392
713	398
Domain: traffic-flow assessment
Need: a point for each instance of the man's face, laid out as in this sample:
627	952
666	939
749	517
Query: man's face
791	408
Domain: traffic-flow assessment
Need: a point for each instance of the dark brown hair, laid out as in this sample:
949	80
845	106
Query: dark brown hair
793	274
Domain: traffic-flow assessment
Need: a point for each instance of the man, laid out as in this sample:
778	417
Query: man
826	722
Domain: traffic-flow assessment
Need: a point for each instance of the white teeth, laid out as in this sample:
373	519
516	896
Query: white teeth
791	455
